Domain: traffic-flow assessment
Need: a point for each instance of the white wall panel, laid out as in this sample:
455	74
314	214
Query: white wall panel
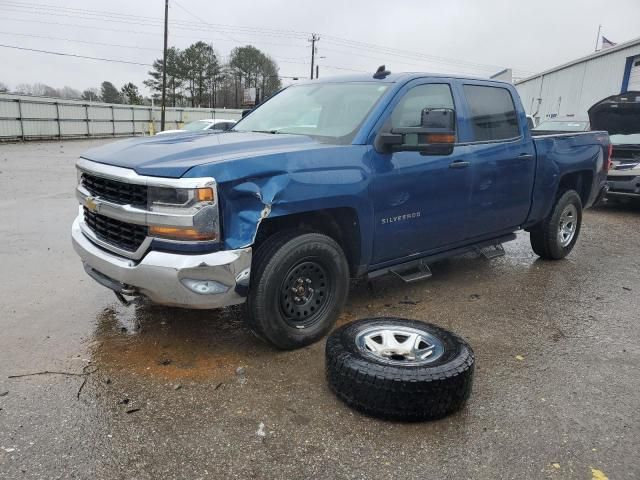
9	108
571	90
40	117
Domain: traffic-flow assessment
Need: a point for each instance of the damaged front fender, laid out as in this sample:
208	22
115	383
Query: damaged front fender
248	203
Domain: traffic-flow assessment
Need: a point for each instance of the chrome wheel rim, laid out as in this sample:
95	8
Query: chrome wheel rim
400	345
568	225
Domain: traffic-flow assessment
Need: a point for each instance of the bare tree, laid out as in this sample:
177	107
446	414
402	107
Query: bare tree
69	93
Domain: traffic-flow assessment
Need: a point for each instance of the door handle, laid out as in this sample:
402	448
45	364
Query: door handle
459	164
525	156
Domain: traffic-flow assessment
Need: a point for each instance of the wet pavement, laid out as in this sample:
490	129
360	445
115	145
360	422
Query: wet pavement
152	392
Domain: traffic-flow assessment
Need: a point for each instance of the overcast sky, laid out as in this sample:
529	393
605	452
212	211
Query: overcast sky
474	37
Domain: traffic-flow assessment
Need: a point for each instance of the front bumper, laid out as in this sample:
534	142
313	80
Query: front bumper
157	275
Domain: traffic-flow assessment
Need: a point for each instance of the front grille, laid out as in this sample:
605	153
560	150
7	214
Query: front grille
115	191
621	178
126	236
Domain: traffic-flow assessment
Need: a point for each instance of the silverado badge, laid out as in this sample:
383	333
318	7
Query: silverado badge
400	218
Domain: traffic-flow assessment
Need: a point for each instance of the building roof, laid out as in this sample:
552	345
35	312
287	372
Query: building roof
599	53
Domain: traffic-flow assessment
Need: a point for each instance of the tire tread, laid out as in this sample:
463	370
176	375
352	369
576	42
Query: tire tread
409	394
543	236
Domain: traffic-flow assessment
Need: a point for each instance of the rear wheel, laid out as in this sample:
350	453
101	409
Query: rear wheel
299	284
556	235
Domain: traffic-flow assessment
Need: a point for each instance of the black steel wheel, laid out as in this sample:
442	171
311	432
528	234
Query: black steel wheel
299	284
304	294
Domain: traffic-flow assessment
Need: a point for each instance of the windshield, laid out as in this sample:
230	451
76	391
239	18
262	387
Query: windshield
631	139
331	111
563	126
196	126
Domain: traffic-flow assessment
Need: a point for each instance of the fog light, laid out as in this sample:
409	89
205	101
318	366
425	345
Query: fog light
204	287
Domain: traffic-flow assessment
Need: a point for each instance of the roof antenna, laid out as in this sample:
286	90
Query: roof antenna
382	72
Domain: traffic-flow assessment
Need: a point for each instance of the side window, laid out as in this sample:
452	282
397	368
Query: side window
408	112
493	113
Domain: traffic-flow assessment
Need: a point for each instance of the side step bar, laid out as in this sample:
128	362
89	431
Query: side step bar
412	272
418	269
494	251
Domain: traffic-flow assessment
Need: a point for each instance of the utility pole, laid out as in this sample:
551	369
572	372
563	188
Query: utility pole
314	38
164	64
317	71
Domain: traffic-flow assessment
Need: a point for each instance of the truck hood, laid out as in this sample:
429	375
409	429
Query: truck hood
618	114
173	155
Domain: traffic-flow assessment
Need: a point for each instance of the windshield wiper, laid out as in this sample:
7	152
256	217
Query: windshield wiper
272	132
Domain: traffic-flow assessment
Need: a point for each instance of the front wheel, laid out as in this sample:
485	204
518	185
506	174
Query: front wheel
299	284
556	235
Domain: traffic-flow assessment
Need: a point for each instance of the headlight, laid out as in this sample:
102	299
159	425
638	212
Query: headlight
201	203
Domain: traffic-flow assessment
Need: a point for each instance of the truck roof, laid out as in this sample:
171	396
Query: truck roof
394	78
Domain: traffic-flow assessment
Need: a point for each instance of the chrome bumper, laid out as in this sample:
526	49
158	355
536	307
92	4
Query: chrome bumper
158	275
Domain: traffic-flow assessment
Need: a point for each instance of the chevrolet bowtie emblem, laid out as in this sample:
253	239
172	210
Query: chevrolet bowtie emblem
91	204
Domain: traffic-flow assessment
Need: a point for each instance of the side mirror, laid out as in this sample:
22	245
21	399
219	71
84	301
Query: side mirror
246	112
436	134
441	119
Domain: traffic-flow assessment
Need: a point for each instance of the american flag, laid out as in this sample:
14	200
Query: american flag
606	43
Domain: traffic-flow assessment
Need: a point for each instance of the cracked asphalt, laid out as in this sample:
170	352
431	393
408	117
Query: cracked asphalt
170	393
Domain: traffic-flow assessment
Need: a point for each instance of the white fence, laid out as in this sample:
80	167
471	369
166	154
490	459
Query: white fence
30	118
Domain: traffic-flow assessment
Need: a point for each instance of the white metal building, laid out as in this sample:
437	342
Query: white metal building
570	89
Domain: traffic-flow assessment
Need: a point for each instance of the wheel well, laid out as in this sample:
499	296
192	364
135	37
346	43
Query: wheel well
581	182
341	224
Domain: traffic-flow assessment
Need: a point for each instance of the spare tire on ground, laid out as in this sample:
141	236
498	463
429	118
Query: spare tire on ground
399	369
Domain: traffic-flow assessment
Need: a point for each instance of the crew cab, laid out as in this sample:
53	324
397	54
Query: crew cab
325	181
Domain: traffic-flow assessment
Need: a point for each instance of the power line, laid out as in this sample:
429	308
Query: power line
202	21
39	7
141	32
262	31
153	22
278	59
76	56
408	53
78	41
250	31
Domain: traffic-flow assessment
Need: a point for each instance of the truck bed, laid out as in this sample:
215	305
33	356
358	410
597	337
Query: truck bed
559	154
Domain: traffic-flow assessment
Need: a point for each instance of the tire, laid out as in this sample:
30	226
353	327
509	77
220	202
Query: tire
545	237
315	266
395	389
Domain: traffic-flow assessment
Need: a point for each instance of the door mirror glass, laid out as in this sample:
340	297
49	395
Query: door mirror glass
439	119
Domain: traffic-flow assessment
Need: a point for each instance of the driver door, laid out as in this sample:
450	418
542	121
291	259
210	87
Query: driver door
420	199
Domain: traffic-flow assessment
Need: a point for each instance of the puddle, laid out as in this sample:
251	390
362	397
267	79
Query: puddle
173	344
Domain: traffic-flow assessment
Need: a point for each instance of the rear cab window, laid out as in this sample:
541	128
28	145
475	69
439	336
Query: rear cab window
493	115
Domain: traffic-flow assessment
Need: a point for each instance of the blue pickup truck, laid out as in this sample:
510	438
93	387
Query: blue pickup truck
330	180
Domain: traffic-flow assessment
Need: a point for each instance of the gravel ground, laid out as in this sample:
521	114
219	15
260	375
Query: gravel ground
165	393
